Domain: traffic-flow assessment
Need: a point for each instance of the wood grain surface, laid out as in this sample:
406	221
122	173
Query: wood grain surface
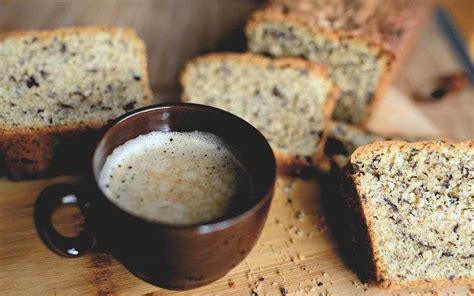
297	250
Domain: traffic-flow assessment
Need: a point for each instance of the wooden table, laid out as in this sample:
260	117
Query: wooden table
297	250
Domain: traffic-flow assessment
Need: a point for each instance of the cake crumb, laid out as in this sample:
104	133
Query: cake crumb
300	215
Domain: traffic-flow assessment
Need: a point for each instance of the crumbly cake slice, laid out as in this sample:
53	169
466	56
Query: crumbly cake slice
345	138
417	203
289	100
362	42
63	82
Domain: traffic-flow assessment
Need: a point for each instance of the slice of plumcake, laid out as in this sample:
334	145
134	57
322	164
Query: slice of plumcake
58	88
290	101
417	203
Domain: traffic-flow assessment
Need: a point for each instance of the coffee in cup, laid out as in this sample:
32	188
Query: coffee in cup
178	178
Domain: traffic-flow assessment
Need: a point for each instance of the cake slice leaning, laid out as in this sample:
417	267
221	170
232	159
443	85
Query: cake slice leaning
289	100
417	203
58	88
344	138
363	43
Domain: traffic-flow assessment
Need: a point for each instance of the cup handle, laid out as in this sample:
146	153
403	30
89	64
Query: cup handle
48	201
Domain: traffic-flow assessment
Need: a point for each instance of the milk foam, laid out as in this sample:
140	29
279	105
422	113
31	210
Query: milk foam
178	178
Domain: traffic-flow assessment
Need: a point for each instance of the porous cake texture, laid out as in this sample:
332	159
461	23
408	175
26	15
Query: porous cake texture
417	203
57	86
289	100
362	42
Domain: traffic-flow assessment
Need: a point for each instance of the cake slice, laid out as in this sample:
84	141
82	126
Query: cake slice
362	42
345	138
289	100
417	204
59	87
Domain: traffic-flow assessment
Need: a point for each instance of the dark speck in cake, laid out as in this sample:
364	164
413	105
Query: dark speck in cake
283	291
425	245
136	77
129	167
129	106
455	228
44	74
277	92
65	106
448	179
447	254
31	82
355	168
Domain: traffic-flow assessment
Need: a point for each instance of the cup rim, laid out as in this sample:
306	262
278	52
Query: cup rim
198	228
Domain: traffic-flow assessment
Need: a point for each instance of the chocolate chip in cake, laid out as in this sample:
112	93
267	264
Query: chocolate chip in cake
31	82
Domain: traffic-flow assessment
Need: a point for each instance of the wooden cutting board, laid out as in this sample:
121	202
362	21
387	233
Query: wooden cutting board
296	251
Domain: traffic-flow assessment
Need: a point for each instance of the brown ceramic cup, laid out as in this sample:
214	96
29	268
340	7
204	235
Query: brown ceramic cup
173	257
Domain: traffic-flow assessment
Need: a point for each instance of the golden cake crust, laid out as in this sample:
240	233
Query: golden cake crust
387	24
